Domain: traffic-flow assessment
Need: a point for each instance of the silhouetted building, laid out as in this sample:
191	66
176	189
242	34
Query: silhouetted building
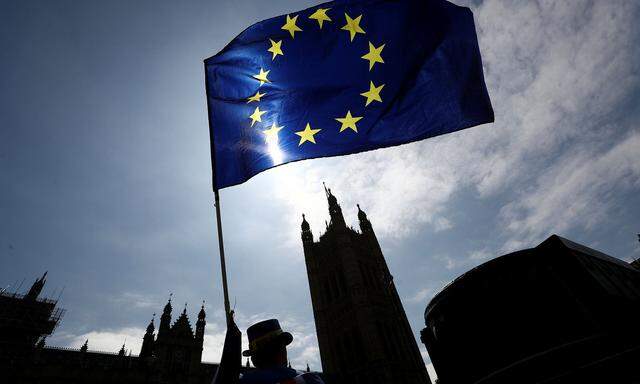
174	356
177	348
363	332
26	320
556	313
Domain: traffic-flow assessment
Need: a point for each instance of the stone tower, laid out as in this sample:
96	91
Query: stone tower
148	339
199	336
363	332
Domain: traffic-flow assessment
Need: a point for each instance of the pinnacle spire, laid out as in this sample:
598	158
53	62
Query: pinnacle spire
168	307
151	327
201	314
307	236
361	214
334	208
365	224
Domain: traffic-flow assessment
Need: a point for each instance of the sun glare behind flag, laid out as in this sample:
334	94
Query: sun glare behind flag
339	78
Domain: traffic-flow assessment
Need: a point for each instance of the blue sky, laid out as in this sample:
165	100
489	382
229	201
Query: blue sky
105	171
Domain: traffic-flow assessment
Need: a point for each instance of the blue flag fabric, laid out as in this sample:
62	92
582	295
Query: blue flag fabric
340	78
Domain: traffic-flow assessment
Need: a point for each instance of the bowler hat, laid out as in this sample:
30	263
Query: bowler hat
266	333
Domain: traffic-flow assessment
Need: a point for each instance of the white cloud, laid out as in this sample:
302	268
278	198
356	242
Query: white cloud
136	300
450	262
104	340
392	185
469	261
479	255
421	295
213	342
573	192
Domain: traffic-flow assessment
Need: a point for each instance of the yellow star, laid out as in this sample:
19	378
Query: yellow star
349	122
276	48
353	26
255	97
256	116
262	76
271	134
373	93
374	55
321	15
307	134
291	26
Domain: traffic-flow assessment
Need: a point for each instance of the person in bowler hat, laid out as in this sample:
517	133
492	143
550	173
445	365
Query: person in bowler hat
268	352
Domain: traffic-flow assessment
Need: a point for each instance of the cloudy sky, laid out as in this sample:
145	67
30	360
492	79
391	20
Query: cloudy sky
105	171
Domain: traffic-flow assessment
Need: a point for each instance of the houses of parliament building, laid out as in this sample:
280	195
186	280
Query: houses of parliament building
560	312
363	332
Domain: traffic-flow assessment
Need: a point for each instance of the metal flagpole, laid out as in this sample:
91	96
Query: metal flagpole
216	203
223	266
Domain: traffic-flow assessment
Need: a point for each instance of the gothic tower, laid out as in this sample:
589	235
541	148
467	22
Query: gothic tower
363	332
165	320
199	337
148	340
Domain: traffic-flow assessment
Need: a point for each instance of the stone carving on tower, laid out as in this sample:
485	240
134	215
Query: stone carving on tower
363	332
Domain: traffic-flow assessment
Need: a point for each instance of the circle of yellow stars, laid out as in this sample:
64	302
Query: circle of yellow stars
373	94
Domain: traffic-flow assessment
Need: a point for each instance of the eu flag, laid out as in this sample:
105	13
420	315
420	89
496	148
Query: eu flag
339	78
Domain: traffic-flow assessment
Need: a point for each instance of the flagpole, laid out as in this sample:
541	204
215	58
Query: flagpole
223	266
216	203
